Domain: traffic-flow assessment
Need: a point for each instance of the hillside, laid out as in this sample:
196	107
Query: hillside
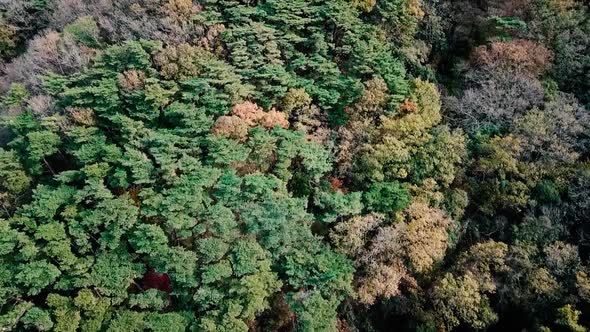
294	165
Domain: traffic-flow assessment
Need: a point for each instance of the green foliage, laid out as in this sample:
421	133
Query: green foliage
284	44
387	197
36	275
150	299
15	97
547	192
316	314
337	204
85	31
568	317
123	196
14	180
505	28
37	318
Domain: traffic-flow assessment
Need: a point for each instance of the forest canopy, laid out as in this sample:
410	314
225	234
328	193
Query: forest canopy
294	165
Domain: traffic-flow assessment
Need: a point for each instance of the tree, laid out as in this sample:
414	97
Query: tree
387	197
14	181
568	317
419	237
459	301
132	221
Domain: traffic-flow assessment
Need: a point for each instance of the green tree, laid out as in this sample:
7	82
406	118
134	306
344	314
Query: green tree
140	217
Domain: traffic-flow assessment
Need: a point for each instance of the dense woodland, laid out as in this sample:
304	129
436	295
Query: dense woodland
294	165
